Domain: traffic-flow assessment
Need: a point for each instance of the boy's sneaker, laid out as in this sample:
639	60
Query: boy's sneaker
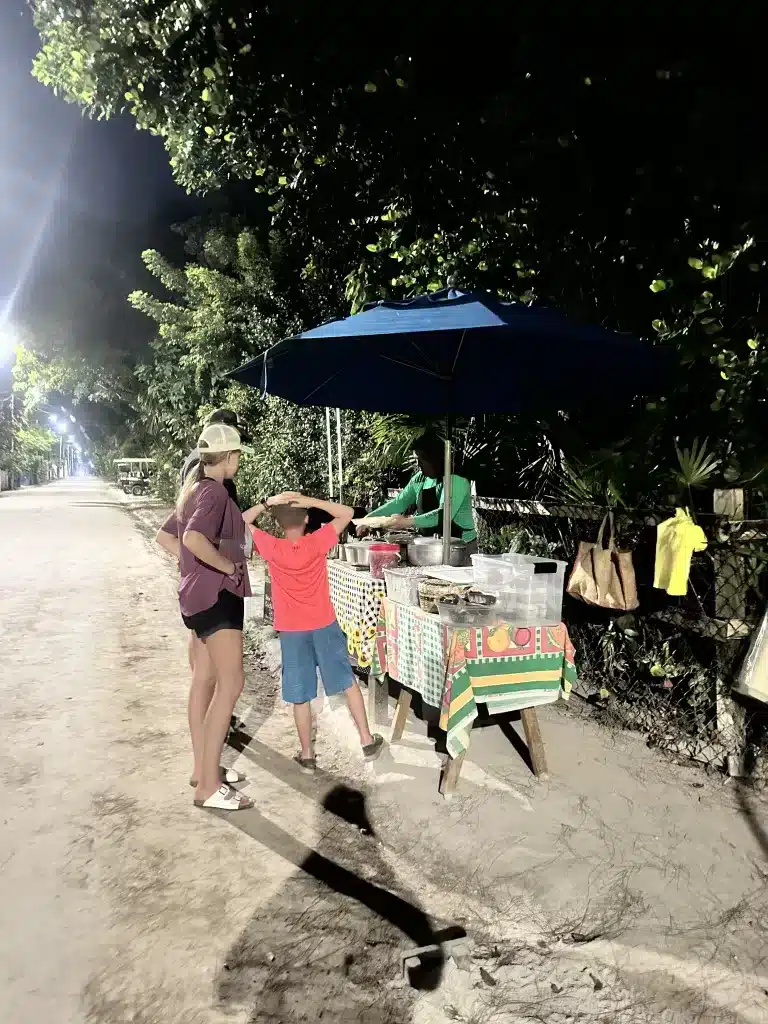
372	750
307	764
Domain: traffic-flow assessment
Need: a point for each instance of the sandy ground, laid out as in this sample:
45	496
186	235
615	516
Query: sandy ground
626	889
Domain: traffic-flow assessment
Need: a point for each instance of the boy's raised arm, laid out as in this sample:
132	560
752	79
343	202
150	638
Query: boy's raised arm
342	514
252	514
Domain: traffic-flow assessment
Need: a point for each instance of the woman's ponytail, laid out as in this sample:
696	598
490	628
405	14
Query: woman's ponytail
190	483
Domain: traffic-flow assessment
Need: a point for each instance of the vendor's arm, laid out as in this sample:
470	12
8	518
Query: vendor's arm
407	497
460	491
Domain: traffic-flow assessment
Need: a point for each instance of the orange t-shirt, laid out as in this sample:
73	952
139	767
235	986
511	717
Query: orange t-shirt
301	597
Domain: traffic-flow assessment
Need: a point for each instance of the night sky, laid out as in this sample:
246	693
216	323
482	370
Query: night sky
79	199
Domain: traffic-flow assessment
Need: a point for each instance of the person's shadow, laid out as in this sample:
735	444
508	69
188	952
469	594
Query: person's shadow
328	945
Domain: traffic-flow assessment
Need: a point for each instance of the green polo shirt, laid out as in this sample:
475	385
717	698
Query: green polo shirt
461	504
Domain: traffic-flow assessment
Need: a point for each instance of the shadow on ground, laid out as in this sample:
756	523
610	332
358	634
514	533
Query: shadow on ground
328	945
749	813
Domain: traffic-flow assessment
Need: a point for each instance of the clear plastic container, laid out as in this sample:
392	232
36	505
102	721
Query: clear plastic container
403	584
536	599
464	614
495	571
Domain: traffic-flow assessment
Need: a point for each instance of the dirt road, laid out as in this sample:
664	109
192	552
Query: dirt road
122	904
100	851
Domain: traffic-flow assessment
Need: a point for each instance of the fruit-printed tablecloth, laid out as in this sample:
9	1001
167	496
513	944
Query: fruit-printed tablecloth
508	668
356	598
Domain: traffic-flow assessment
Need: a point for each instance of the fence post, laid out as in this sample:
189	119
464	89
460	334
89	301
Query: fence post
730	591
731	609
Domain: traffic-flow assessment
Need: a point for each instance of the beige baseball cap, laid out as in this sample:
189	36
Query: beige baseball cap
220	437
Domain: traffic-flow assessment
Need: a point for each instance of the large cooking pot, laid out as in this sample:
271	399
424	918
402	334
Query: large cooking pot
358	552
429	551
401	537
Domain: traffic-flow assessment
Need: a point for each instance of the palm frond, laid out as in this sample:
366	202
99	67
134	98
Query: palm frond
393	437
697	465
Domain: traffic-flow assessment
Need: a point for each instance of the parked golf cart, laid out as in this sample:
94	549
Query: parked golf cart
134	475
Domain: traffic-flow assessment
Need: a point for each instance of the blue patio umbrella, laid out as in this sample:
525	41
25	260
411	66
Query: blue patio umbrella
454	353
457	354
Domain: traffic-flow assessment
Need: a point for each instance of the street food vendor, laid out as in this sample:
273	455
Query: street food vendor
419	505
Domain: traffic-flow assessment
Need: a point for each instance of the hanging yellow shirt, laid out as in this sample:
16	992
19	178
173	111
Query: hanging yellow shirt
676	540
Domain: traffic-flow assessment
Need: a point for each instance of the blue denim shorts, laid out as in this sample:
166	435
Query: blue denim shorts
306	652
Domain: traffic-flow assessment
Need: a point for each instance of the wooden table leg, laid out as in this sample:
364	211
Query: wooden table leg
378	693
534	741
401	715
451	774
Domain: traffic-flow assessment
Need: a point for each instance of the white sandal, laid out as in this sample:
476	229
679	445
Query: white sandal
228	775
226	799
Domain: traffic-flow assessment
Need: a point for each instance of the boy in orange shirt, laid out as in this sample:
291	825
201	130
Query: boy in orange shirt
310	636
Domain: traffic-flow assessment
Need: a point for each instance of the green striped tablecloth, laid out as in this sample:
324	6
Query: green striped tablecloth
508	668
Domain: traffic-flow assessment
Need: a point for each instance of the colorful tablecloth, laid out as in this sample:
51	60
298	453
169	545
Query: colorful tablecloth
505	667
356	598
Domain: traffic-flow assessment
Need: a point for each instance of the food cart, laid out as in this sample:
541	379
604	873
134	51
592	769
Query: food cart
458	637
452	354
134	475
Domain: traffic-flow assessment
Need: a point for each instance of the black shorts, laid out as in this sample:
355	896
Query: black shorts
227	613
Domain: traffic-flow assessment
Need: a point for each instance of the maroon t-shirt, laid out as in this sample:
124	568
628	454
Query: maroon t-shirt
209	510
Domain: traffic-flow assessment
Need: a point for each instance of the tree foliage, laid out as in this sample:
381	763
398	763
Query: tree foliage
32	452
237	295
25	447
614	172
222	307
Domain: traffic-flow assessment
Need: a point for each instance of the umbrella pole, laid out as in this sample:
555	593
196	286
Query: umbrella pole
341	463
447	497
330	451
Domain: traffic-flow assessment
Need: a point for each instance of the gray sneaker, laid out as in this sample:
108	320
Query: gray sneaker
372	750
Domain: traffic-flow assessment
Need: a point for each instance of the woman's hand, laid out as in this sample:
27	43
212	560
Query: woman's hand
361	530
238	571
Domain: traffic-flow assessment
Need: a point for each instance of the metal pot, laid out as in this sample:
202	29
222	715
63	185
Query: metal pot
429	551
358	552
402	538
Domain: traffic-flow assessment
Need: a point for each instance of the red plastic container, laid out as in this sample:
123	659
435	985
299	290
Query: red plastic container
383	556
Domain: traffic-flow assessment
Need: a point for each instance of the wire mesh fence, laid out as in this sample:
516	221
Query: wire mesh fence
666	668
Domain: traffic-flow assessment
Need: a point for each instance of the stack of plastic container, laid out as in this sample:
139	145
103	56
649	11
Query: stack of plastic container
403	584
504	580
528	590
542	597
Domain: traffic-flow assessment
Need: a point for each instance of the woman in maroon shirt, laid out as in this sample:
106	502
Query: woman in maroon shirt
207	533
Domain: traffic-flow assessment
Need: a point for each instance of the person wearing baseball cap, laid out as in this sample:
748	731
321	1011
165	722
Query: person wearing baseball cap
228	416
207	534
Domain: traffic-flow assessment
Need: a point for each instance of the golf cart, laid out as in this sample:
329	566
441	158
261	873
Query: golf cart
133	475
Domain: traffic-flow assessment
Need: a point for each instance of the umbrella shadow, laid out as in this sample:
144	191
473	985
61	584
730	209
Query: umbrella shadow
328	944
